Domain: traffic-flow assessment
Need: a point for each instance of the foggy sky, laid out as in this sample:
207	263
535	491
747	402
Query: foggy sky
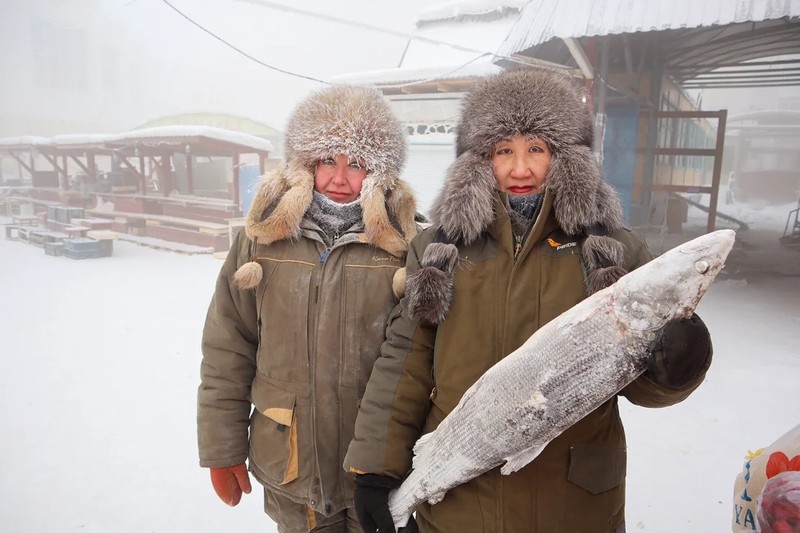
106	66
160	64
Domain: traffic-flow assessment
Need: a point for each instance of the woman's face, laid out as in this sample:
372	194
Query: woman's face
521	165
340	178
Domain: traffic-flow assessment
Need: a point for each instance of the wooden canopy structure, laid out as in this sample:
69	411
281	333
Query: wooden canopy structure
136	150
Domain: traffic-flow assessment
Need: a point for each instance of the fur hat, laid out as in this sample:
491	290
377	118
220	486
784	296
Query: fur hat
349	120
536	103
353	121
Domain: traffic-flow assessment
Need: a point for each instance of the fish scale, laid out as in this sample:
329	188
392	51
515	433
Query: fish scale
564	371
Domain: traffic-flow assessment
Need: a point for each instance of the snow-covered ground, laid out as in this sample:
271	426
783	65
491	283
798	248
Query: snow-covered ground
99	363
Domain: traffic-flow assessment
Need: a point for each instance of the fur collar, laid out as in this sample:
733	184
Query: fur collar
583	205
582	201
285	194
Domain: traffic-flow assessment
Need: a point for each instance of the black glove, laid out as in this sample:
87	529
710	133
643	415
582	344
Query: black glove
371	500
680	354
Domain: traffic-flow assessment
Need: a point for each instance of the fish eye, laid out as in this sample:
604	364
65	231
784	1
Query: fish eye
702	266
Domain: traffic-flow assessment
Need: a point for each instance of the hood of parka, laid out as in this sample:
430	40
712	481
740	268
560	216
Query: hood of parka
538	103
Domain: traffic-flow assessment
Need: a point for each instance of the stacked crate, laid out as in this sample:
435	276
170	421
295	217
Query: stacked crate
60	216
54	248
81	248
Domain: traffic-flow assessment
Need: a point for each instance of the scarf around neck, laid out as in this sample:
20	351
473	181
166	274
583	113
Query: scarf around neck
333	218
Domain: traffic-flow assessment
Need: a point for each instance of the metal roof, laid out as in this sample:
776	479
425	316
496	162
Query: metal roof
691	39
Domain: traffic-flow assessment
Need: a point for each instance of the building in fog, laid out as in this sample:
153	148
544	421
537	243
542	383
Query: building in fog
67	69
763	156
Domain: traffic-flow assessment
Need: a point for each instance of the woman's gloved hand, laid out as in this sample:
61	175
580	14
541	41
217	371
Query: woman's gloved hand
229	483
680	354
371	500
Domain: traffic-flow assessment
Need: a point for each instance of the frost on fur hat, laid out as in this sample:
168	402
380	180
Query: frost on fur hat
535	103
354	121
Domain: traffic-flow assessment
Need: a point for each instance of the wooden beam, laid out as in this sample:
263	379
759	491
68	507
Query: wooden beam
189	174
80	163
143	175
681	188
687	114
53	160
236	196
22	163
715	177
626	49
92	163
703	152
165	176
124	160
66	172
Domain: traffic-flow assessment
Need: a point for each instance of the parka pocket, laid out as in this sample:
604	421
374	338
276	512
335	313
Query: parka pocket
273	433
596	467
366	304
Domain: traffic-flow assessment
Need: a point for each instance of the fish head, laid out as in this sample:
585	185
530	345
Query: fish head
670	286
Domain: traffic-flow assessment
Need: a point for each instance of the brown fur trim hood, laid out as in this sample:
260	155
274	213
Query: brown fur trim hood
535	103
358	123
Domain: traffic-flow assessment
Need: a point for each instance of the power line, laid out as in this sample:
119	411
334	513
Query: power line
528	61
239	50
329	18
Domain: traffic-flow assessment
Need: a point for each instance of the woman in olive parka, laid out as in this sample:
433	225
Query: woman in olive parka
523	229
300	309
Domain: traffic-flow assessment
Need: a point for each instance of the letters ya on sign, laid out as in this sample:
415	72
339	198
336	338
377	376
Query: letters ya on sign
744	517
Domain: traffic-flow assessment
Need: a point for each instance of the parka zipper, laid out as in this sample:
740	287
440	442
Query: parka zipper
518	246
312	362
519	240
313	326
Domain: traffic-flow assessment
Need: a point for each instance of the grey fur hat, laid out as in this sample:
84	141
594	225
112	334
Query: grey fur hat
349	120
536	103
340	119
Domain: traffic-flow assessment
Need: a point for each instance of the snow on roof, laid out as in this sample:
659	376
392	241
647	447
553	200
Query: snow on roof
161	132
24	140
543	20
79	139
479	68
209	132
465	9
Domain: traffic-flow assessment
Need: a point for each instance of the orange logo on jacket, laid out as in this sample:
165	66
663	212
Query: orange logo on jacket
553	243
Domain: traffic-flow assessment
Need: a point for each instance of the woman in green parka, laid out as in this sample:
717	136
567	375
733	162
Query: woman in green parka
523	229
300	309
